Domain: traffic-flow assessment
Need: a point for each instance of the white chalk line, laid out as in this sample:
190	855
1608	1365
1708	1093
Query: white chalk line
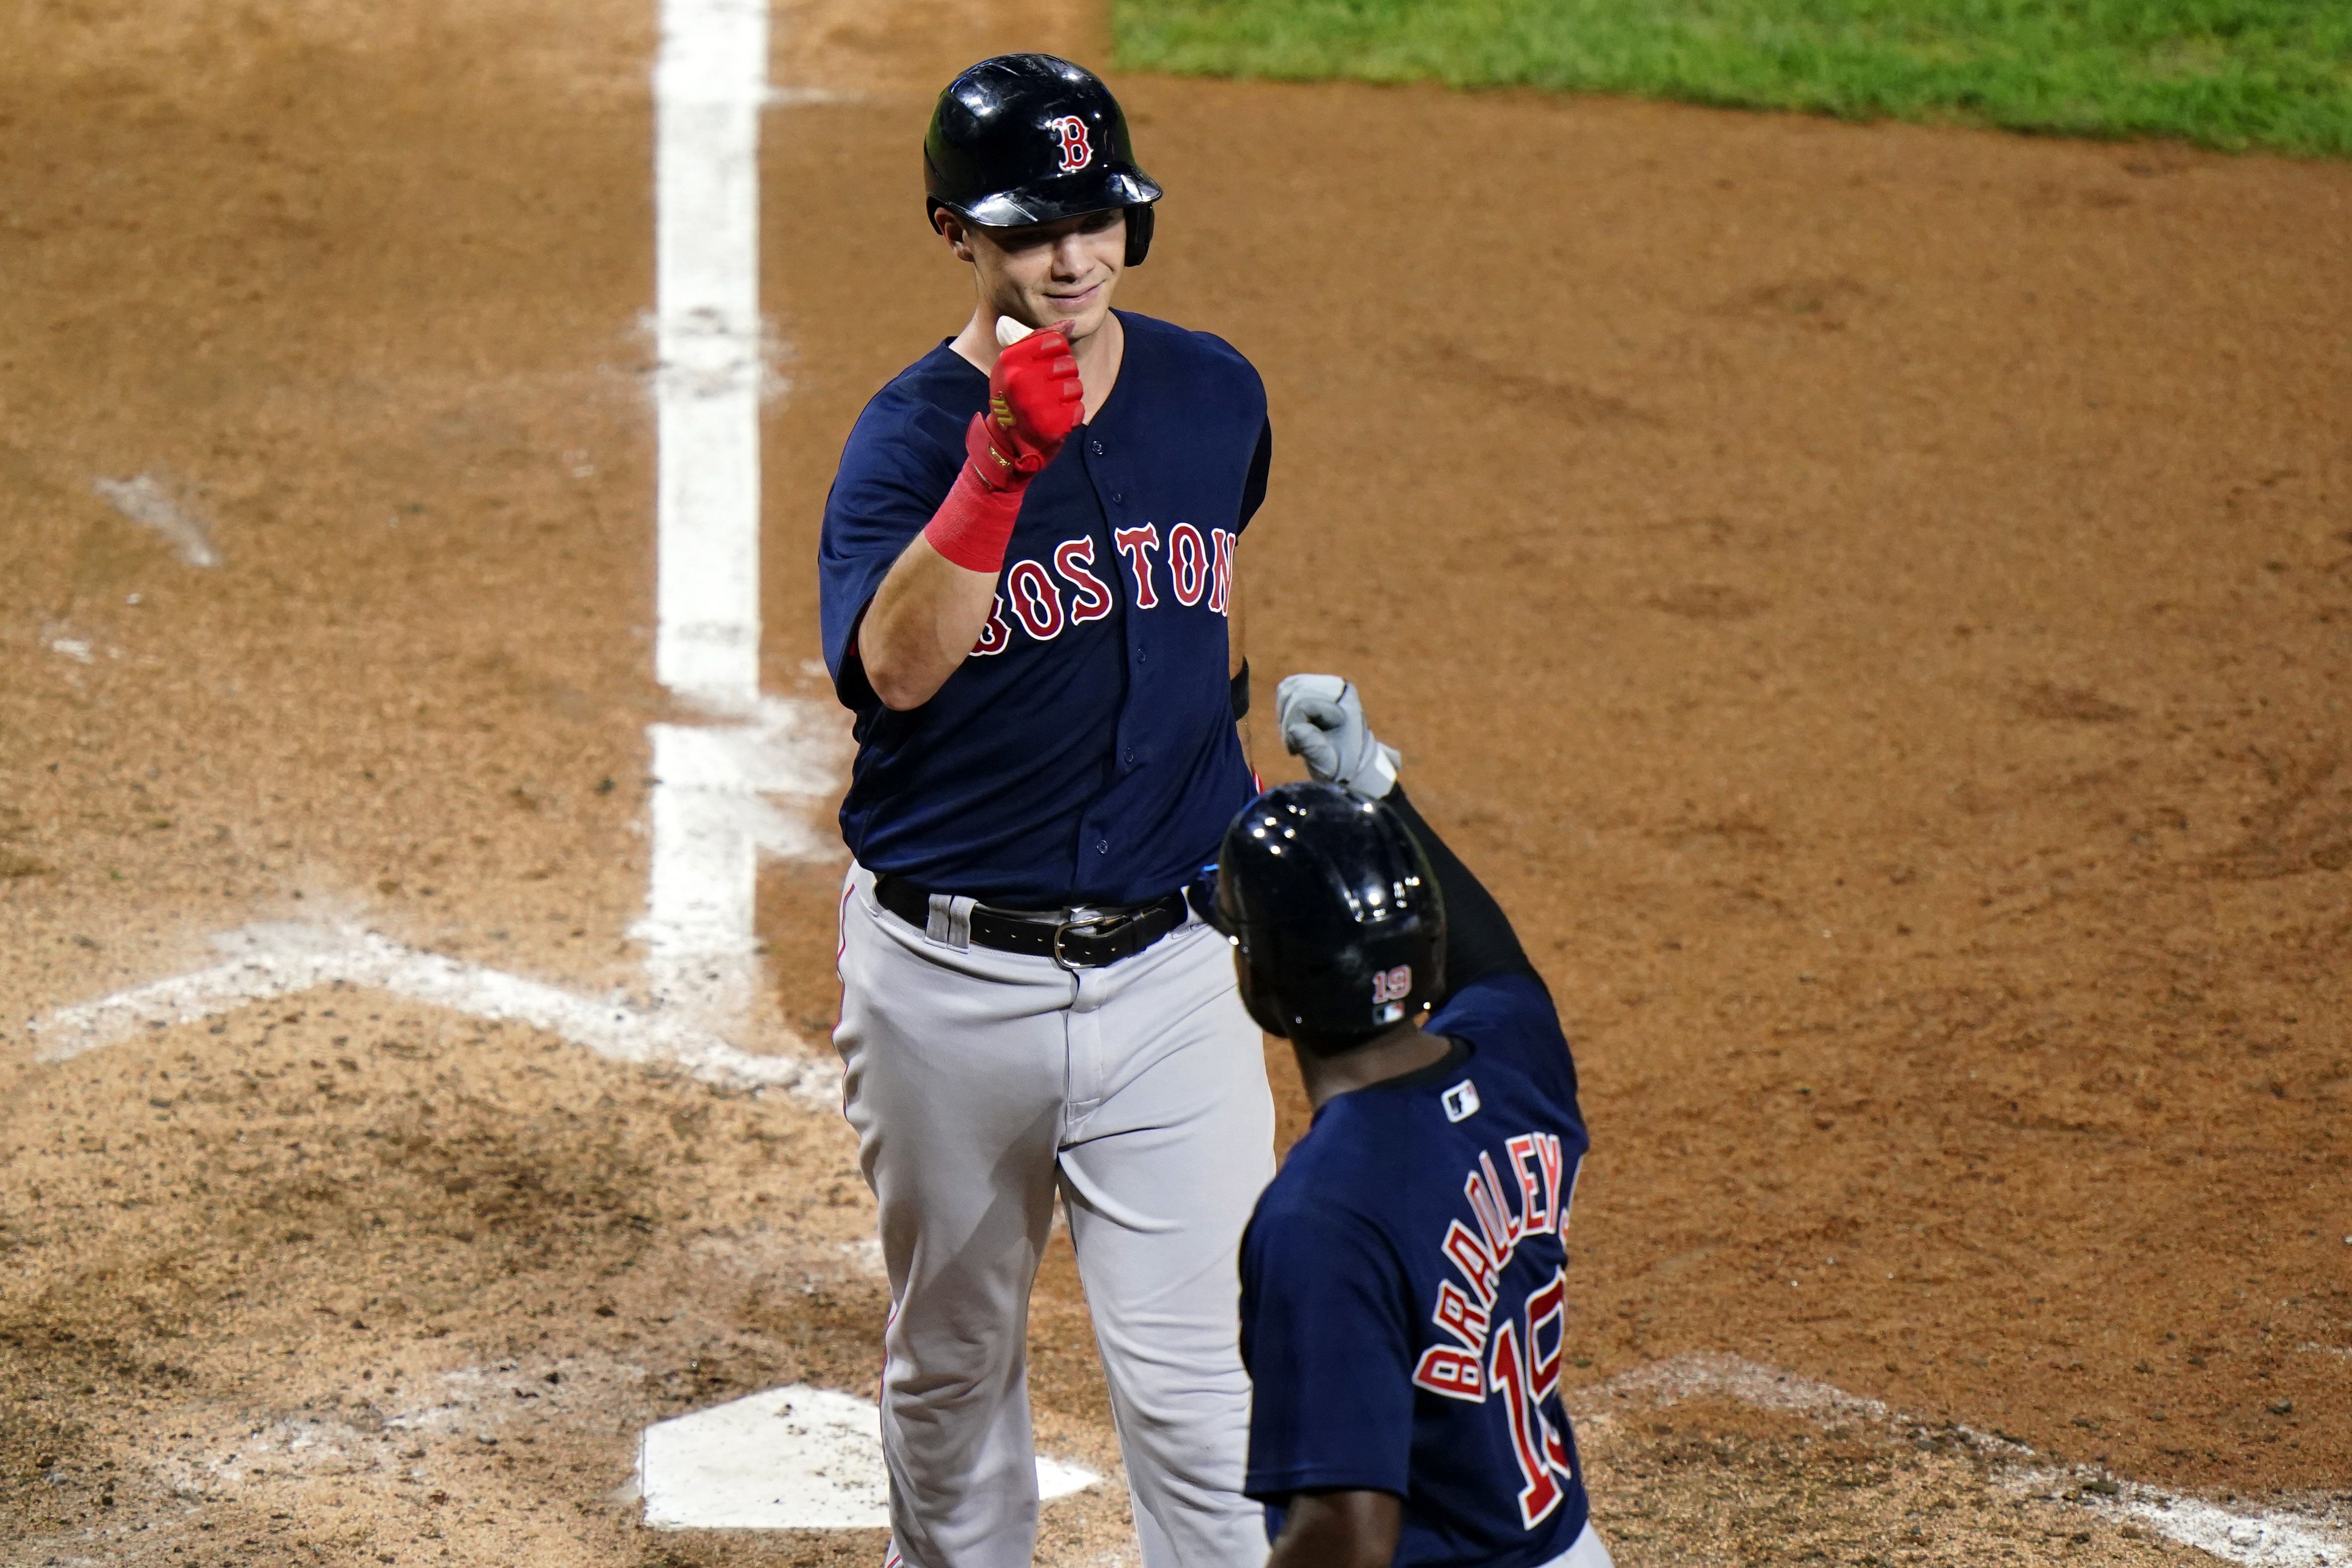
712	820
270	960
710	83
709	820
2254	1538
711	815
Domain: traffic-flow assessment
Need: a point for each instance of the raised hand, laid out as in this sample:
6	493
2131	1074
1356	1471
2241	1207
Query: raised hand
1035	401
1322	721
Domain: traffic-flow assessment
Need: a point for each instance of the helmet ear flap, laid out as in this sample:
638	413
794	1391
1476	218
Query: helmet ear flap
1138	233
1261	996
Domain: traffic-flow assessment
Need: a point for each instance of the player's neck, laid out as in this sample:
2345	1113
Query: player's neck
1406	1048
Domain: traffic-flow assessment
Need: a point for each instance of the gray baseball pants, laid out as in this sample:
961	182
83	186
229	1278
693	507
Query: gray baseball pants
980	1083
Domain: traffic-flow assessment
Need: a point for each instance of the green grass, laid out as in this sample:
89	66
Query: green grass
2230	74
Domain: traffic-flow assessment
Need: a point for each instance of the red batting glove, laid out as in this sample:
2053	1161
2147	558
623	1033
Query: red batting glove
1035	401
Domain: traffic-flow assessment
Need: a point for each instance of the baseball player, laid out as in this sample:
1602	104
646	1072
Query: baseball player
1026	575
1403	1281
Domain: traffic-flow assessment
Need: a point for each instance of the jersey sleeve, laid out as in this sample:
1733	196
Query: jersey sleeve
1260	469
1510	1014
899	463
1326	1337
1226	375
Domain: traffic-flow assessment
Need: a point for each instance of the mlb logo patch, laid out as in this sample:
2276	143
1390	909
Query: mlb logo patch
1461	1100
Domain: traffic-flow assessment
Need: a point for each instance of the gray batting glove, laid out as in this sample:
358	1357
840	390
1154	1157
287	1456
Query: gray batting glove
1322	720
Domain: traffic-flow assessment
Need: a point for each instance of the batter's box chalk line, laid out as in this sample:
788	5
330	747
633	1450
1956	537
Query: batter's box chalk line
272	959
792	1458
2278	1538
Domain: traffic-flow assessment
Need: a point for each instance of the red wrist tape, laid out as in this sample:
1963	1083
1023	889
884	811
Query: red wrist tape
973	527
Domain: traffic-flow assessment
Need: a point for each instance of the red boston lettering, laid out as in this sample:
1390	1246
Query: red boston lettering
1036	600
1188	563
995	636
1137	544
1071	559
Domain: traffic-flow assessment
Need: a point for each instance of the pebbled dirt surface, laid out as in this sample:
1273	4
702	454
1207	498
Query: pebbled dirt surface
1875	600
350	1282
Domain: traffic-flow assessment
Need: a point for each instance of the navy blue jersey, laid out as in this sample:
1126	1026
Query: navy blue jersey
1404	1294
1085	751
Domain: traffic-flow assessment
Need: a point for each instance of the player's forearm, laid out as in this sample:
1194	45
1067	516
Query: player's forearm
930	609
1339	1530
1479	940
922	625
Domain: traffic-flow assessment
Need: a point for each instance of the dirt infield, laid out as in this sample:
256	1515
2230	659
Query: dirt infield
1875	602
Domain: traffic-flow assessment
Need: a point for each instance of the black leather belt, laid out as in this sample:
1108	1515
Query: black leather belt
1084	938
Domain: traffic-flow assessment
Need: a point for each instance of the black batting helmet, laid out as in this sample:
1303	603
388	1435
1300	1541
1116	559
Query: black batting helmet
1336	914
1024	139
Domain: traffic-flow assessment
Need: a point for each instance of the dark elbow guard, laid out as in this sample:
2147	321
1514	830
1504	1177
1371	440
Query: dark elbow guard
1241	692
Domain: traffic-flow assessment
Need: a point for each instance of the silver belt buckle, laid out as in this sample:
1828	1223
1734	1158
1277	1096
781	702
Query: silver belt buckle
1081	919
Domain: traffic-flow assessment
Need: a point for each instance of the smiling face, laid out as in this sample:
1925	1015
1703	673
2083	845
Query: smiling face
1064	271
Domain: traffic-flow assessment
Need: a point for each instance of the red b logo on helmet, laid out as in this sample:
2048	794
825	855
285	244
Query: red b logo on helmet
1076	152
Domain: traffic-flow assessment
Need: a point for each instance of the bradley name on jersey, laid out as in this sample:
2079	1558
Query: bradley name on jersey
1515	1360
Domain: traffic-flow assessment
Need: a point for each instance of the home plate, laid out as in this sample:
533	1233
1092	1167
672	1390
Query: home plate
790	1458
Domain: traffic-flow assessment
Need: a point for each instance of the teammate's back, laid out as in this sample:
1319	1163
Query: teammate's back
1404	1310
1454	1181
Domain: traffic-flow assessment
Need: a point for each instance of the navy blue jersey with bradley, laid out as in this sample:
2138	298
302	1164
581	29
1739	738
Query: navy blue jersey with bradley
1403	1284
1084	752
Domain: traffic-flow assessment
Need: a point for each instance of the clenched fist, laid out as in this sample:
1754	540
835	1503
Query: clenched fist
1035	401
1322	720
